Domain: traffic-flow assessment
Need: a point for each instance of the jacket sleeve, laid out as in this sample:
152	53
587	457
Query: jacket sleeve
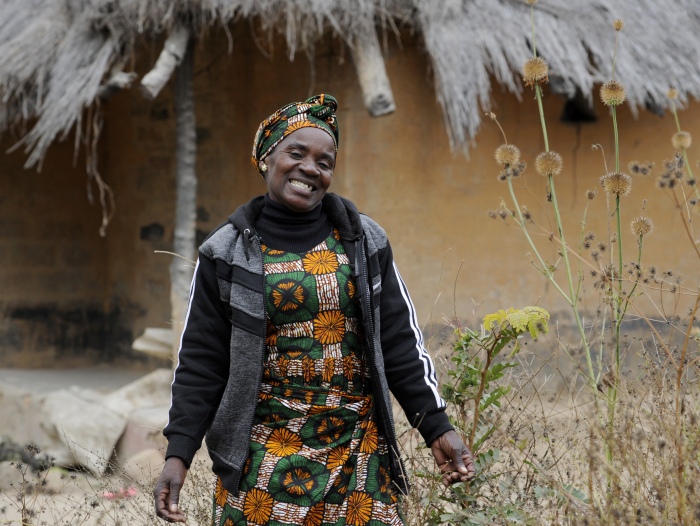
203	365
410	371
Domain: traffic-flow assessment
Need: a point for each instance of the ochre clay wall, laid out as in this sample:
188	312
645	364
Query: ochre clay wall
68	296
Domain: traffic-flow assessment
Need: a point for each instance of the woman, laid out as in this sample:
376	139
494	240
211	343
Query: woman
298	327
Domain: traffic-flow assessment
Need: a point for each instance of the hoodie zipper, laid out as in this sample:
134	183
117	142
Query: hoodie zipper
378	392
262	371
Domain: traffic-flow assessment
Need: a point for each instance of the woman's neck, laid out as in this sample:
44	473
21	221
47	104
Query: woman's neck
284	229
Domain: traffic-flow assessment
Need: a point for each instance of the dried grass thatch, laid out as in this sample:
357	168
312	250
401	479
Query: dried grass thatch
55	54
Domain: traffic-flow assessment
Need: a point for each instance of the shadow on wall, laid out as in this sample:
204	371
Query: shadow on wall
70	335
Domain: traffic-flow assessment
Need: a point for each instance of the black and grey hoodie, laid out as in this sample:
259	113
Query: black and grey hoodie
220	361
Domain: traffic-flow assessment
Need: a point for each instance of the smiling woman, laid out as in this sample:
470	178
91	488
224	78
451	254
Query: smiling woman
284	362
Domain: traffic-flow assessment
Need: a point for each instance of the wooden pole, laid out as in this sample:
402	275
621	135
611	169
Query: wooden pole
186	191
371	72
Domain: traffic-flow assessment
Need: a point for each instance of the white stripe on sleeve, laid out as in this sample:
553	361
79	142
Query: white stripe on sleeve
187	317
428	367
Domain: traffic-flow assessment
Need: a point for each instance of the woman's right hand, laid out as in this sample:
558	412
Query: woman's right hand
167	490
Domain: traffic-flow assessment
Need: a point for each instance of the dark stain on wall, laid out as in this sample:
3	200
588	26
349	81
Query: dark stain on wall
152	232
67	333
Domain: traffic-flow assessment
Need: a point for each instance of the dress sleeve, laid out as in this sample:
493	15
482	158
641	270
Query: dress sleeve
203	365
410	371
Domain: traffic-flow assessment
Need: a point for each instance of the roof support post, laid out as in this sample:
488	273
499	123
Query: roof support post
186	192
371	71
173	52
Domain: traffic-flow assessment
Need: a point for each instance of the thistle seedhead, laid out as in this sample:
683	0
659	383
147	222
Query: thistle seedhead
517	170
618	25
609	273
548	163
640	168
507	155
535	71
612	93
672	94
617	184
641	226
681	140
590	194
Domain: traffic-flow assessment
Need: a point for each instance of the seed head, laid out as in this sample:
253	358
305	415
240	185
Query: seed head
503	176
548	163
640	168
507	155
618	25
517	170
612	93
682	140
531	2
590	194
641	226
503	214
535	71
617	184
492	214
672	94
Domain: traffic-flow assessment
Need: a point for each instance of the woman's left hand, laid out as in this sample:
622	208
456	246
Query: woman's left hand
454	459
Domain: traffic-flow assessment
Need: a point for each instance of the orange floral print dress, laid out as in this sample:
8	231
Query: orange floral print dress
316	457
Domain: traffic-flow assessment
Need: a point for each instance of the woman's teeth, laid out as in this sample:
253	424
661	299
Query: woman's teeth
299	184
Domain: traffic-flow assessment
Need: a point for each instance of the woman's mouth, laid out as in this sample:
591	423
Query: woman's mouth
299	184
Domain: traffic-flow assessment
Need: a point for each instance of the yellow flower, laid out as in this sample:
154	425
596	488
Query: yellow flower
329	327
220	493
314	517
258	506
359	509
330	429
298	482
320	262
370	439
297	295
337	457
283	442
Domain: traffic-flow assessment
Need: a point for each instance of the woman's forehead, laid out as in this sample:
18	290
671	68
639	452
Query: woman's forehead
309	137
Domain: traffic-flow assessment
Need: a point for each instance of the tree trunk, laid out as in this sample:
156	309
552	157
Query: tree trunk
186	207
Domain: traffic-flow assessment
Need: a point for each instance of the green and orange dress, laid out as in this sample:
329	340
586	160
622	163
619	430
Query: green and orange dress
316	456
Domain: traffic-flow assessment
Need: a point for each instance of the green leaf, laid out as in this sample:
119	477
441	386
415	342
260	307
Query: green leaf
518	320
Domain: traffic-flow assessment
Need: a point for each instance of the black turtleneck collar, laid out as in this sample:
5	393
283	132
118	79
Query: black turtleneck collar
282	229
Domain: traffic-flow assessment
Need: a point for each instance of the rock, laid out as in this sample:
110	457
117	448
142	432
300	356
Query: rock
148	391
56	480
144	430
20	418
10	477
88	428
144	467
156	342
81	426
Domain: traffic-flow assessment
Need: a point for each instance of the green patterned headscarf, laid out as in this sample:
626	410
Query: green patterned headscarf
316	112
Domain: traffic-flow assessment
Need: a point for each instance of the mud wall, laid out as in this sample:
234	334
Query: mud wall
68	296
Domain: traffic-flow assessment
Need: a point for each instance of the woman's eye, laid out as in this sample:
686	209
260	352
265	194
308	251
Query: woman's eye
295	155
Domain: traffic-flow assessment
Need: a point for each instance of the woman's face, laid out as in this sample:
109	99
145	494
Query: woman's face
300	169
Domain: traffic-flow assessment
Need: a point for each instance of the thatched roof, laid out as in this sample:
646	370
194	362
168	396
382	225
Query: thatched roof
56	54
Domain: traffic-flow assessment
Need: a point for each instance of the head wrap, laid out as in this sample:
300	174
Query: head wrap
316	112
